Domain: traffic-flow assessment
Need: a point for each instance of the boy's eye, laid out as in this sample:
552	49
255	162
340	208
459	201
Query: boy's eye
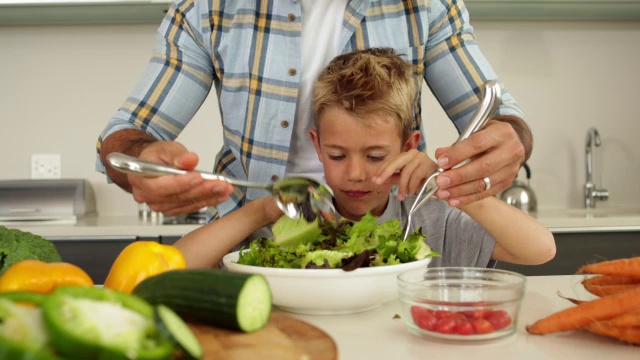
336	157
376	157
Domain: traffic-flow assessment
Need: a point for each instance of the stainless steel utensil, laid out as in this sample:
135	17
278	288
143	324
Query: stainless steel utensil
491	96
296	196
521	195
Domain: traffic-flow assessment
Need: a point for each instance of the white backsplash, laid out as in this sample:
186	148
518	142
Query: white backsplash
60	84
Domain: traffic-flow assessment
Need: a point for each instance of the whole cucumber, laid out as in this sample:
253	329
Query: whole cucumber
215	297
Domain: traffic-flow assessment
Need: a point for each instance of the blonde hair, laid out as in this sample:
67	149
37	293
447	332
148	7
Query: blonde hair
369	81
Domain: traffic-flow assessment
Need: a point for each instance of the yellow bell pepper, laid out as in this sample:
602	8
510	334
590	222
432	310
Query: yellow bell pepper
42	277
140	260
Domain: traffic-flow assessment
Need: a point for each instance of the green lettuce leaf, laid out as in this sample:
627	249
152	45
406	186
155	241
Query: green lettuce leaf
299	244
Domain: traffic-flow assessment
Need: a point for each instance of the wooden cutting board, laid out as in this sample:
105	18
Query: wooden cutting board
283	338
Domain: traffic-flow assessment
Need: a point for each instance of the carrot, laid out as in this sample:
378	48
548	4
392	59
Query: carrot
619	267
629	334
610	280
604	290
575	301
629	319
595	310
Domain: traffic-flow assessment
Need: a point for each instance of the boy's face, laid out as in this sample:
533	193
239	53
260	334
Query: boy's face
351	153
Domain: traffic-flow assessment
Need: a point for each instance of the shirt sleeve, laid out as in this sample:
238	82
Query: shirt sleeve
459	239
175	83
455	68
466	243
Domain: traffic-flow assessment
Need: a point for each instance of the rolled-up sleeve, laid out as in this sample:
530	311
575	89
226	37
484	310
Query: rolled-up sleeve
175	83
455	68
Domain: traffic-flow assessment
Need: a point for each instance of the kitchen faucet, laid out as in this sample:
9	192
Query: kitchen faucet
591	193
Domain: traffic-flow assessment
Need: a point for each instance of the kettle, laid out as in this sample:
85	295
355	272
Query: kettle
521	195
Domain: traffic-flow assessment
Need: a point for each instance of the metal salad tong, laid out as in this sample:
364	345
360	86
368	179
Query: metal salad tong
491	97
297	197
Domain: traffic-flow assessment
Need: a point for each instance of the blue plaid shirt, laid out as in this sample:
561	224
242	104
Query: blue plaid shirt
251	52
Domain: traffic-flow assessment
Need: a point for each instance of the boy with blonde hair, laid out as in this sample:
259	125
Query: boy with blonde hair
363	104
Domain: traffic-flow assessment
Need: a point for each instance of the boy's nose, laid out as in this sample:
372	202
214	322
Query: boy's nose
356	171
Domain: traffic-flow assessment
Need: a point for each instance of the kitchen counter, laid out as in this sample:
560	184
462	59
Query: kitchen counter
101	226
557	220
376	334
590	220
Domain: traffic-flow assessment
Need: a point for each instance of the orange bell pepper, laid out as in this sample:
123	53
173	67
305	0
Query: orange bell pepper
42	277
140	260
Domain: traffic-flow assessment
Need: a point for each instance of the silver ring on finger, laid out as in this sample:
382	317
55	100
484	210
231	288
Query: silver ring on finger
487	183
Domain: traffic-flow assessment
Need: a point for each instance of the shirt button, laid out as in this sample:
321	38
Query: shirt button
274	178
291	17
284	124
292	72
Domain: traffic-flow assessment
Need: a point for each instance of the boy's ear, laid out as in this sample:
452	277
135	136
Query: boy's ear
412	141
313	133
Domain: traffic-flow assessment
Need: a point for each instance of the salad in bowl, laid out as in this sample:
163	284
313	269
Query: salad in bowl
332	268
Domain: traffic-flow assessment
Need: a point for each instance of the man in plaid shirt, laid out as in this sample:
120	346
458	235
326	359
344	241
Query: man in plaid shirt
262	57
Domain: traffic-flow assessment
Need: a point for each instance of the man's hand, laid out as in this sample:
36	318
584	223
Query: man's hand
171	194
498	150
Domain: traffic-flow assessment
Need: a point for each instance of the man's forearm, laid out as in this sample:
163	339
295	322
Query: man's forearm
523	131
127	141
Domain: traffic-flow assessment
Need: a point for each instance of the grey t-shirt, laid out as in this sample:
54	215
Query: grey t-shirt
459	239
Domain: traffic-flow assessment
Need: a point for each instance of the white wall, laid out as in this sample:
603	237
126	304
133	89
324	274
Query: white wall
59	85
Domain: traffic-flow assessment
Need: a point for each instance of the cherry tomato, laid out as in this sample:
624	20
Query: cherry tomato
481	321
482	326
424	318
417	311
464	327
446	326
441	314
500	319
480	314
457	317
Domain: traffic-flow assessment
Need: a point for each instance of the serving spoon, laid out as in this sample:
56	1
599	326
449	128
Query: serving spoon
491	96
297	197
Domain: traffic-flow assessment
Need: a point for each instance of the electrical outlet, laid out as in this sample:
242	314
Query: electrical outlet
46	166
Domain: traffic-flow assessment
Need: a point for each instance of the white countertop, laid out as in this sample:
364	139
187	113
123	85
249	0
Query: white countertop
590	220
101	226
557	220
375	334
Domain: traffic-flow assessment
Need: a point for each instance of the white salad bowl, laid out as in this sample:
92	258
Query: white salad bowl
328	291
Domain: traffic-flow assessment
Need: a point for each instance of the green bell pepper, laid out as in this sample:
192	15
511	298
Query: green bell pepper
24	297
22	333
103	324
14	350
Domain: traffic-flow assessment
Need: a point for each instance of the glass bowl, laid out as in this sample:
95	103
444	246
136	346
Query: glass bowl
461	303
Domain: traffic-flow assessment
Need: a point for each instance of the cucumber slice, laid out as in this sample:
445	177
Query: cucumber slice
254	304
172	325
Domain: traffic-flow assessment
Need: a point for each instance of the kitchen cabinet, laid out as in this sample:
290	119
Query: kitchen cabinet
580	248
95	255
50	12
554	10
169	240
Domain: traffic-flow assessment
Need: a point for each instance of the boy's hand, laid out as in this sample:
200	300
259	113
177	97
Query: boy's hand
408	171
270	210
